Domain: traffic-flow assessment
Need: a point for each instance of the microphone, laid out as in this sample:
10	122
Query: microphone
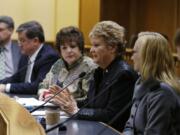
61	125
81	75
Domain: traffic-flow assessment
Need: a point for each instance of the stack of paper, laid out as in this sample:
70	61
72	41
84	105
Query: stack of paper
31	102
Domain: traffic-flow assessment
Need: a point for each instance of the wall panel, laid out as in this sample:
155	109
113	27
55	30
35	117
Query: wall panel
157	15
67	13
143	15
52	14
45	14
89	16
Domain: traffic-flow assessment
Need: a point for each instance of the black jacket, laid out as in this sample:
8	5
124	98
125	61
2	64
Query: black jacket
110	91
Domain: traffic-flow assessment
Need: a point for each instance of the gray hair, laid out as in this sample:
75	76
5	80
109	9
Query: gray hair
7	20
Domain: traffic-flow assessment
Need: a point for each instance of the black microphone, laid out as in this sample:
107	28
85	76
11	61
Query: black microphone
90	101
81	75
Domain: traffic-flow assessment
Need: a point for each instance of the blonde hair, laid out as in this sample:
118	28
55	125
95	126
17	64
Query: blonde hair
156	59
111	32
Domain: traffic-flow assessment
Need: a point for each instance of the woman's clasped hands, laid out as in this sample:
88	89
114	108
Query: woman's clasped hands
64	99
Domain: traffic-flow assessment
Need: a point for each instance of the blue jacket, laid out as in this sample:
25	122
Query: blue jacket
46	57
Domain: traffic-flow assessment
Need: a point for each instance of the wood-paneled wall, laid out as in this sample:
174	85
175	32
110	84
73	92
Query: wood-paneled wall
143	15
135	15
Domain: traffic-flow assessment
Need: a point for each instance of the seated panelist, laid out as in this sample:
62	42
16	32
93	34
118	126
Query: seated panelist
70	42
36	61
113	81
9	50
156	99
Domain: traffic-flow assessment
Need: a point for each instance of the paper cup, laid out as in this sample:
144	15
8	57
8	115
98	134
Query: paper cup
52	116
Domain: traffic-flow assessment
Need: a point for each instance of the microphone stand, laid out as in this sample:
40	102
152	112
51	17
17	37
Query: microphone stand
74	115
115	117
61	125
42	105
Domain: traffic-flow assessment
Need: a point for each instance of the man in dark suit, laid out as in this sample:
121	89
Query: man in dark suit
36	61
10	51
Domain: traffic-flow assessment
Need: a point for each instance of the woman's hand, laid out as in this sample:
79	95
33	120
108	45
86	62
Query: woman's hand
43	94
65	100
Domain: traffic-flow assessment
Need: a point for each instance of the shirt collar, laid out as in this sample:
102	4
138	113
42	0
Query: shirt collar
111	65
75	64
33	57
7	47
143	87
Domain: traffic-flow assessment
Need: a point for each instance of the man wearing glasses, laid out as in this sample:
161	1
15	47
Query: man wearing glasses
35	62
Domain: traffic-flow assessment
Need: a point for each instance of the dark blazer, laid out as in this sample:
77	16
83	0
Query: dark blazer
155	110
114	87
46	57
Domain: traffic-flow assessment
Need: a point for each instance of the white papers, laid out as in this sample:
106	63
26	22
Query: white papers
31	102
42	113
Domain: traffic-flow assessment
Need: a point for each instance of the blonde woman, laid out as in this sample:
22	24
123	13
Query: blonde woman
111	87
156	106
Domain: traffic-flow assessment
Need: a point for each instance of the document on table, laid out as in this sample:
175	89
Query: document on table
31	102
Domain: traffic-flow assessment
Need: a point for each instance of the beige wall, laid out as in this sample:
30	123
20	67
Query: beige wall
89	16
52	14
67	13
14	9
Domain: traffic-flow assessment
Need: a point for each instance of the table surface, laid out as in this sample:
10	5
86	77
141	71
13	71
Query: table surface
83	127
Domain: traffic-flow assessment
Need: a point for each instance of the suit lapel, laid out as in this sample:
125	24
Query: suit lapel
37	63
23	67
